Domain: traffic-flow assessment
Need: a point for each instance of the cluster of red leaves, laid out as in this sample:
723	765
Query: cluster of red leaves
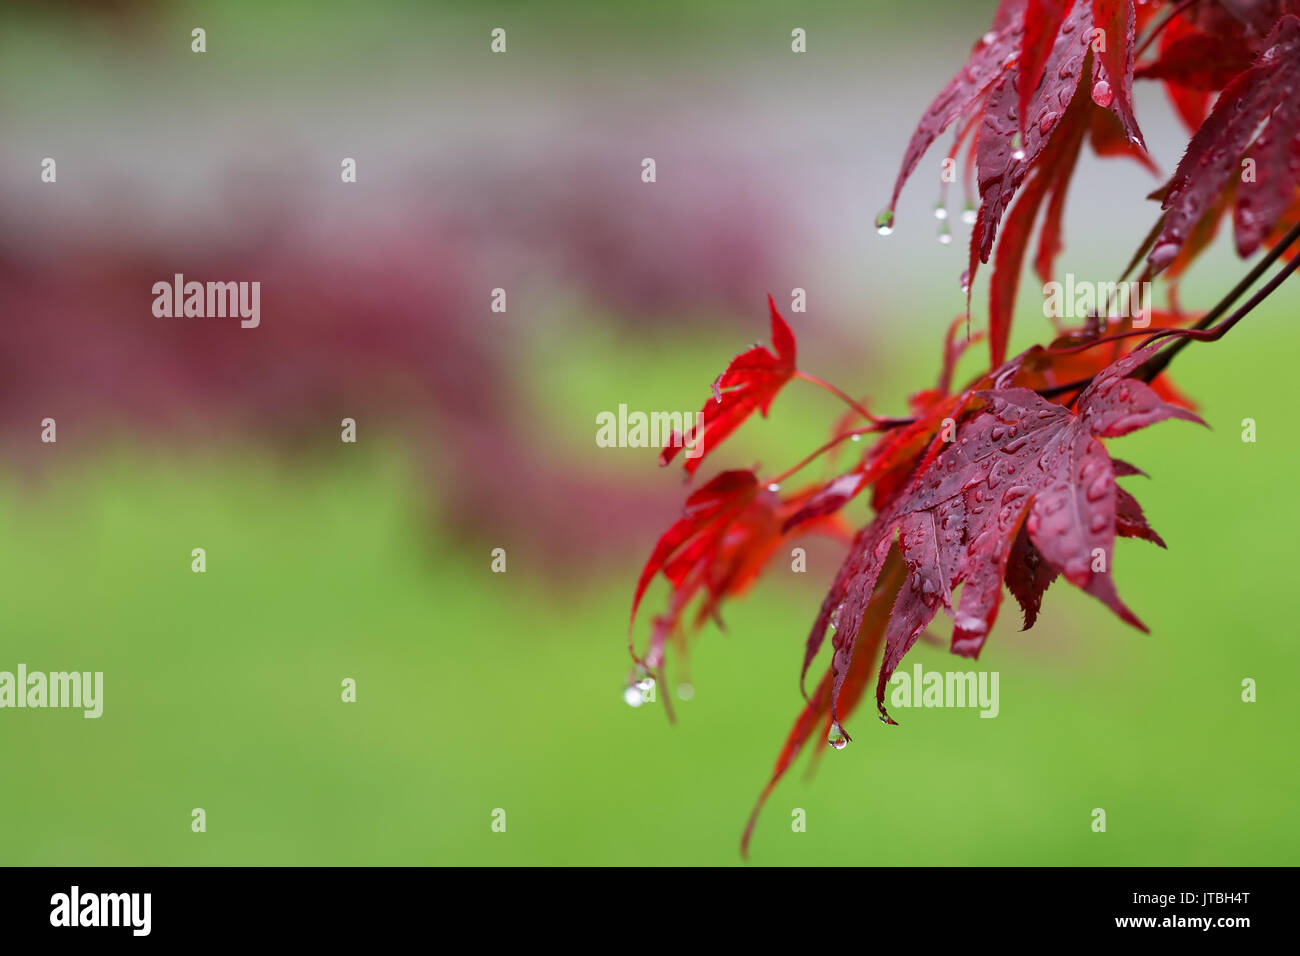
1052	74
1007	480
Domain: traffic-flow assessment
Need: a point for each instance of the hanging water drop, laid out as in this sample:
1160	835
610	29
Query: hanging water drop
1101	94
685	691
837	738
633	697
968	214
774	487
885	222
940	211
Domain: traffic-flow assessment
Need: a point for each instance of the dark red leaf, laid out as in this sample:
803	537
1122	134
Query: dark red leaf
1263	199
1212	158
1197	61
813	722
1130	522
1043	20
988	61
1020	460
1028	576
1002	163
1113	86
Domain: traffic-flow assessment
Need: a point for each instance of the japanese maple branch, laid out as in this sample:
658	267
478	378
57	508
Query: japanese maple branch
1203	333
1196	333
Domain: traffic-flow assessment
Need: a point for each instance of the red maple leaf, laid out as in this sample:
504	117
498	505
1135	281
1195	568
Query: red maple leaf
749	383
1019	460
1266	93
1048	76
1194	65
698	532
729	530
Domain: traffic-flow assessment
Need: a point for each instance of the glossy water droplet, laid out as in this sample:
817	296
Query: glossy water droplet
940	211
856	438
837	739
632	697
1098	489
968	215
885	222
685	691
945	234
1014	492
1101	94
774	487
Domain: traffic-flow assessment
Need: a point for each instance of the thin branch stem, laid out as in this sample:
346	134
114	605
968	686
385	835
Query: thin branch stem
1158	363
821	451
842	396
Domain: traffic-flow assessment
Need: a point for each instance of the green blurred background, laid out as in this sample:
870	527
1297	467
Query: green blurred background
479	691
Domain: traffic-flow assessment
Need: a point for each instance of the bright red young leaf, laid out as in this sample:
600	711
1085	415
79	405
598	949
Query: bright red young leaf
699	530
730	529
750	383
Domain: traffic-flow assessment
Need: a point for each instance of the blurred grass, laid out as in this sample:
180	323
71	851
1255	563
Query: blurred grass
479	691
